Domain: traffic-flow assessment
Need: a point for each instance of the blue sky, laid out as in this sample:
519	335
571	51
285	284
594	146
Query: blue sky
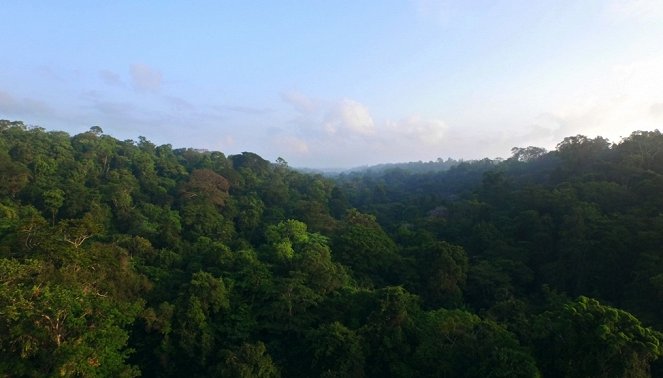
337	83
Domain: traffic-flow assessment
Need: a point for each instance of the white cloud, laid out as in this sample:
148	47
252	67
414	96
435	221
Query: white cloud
426	131
302	103
145	78
345	133
612	101
293	145
348	117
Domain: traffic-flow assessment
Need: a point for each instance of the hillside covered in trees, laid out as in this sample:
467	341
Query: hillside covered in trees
123	258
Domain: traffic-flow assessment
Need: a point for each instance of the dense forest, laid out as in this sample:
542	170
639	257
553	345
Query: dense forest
123	258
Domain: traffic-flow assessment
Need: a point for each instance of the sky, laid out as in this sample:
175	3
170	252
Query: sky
335	83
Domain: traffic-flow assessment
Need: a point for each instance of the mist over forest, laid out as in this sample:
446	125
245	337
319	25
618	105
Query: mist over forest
123	258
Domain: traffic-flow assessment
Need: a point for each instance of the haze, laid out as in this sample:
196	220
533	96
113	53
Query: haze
337	83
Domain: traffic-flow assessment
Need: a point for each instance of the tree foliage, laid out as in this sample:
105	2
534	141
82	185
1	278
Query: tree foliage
124	258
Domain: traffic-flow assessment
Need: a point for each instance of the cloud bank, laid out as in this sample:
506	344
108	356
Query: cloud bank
348	118
345	133
26	106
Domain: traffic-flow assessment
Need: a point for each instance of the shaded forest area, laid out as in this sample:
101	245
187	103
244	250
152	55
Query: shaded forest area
123	258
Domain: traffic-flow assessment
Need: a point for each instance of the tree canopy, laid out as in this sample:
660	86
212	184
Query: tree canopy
124	258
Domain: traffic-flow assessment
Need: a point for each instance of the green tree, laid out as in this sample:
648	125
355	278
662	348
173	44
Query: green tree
201	305
443	268
390	333
247	361
585	338
337	351
455	343
49	329
363	246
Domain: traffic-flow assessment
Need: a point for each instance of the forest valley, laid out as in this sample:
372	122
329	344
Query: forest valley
123	258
